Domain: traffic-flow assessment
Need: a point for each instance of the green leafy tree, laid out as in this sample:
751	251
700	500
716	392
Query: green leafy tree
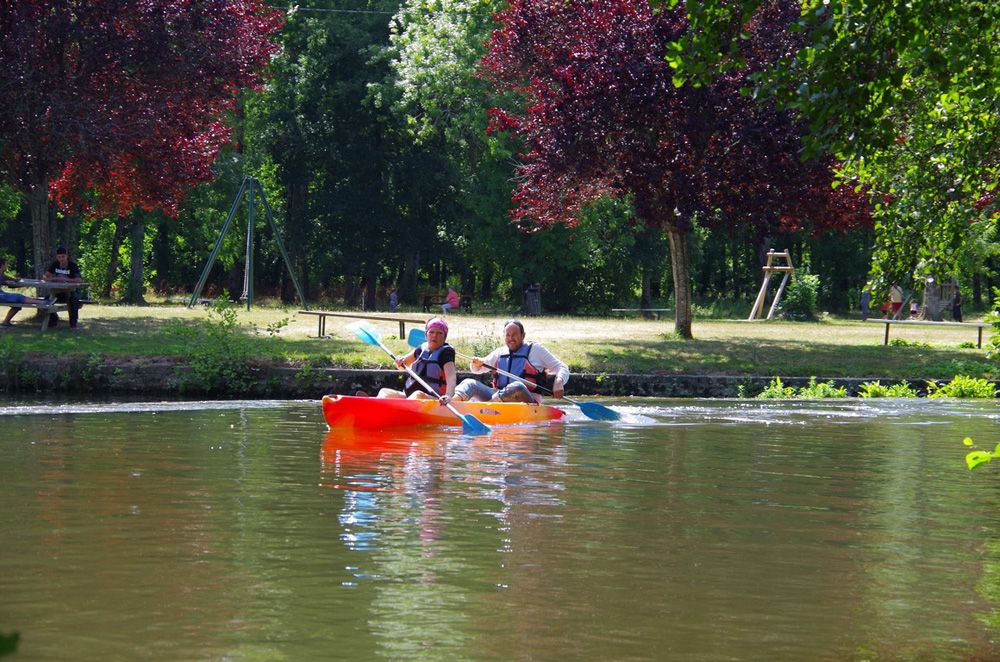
904	93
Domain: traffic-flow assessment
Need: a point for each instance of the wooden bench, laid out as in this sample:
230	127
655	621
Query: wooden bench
323	314
45	308
464	301
644	311
979	326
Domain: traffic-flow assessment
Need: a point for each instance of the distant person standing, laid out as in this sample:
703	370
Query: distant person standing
64	270
956	306
866	300
393	300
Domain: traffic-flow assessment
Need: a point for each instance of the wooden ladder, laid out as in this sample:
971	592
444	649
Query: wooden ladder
772	267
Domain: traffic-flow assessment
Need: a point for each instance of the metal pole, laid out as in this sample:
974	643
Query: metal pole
218	244
281	245
248	273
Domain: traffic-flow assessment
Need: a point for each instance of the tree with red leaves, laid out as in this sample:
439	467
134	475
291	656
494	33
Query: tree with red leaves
123	98
603	116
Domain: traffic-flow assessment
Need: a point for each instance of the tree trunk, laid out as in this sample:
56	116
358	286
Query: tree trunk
408	283
38	202
137	276
71	235
681	265
116	244
646	298
371	291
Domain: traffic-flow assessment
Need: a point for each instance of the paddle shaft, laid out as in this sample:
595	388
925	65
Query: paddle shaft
513	376
419	379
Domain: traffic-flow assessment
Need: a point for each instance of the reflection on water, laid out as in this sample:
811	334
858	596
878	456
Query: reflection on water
700	530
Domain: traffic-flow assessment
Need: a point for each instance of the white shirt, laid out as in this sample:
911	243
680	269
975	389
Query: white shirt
538	356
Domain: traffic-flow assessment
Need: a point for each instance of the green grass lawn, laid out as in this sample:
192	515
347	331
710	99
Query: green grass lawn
831	348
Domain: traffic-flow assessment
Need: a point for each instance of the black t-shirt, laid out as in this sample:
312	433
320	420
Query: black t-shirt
70	271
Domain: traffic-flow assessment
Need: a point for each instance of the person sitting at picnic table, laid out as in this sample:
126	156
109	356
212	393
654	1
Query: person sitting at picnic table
452	301
434	361
14	297
532	362
64	270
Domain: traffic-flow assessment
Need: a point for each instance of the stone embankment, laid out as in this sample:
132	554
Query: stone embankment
168	376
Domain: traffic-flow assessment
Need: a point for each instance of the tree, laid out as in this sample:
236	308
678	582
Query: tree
126	98
904	94
603	116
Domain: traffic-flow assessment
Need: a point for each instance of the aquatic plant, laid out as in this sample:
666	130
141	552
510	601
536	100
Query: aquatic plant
821	390
877	390
776	390
962	386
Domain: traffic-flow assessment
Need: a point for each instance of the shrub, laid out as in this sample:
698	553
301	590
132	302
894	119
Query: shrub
902	342
799	301
777	391
219	355
876	390
821	390
962	386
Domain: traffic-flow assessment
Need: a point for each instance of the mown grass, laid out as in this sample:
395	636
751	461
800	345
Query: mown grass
830	348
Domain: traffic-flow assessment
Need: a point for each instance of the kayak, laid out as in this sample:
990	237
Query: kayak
377	413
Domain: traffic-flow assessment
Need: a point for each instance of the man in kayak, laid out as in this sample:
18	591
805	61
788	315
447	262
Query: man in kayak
534	364
434	361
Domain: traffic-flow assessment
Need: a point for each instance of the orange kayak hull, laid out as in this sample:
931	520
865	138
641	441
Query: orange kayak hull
380	413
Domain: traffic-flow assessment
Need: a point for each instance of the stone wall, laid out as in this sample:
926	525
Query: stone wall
164	377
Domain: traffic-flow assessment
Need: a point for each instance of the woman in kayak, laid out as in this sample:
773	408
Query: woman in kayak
434	361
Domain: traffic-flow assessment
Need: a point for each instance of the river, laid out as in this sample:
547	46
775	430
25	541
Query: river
691	530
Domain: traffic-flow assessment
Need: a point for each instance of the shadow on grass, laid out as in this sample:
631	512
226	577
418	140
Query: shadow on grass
154	336
784	357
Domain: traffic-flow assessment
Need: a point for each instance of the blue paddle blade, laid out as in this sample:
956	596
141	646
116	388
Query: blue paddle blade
472	425
365	331
597	412
416	338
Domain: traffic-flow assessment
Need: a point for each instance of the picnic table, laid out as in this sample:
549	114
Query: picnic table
979	326
323	314
45	287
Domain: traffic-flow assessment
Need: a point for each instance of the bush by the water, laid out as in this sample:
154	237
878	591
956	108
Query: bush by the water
776	390
962	386
877	390
221	352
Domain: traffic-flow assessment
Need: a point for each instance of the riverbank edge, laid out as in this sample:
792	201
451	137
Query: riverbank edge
169	376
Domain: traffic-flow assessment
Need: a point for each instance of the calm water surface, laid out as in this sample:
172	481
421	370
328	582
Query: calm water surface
695	530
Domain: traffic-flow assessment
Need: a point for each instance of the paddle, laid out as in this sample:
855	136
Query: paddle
367	333
593	410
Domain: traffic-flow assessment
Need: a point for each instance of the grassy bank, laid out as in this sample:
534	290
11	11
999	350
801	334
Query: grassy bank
831	348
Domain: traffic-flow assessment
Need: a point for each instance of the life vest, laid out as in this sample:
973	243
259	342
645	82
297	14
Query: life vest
428	365
517	363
